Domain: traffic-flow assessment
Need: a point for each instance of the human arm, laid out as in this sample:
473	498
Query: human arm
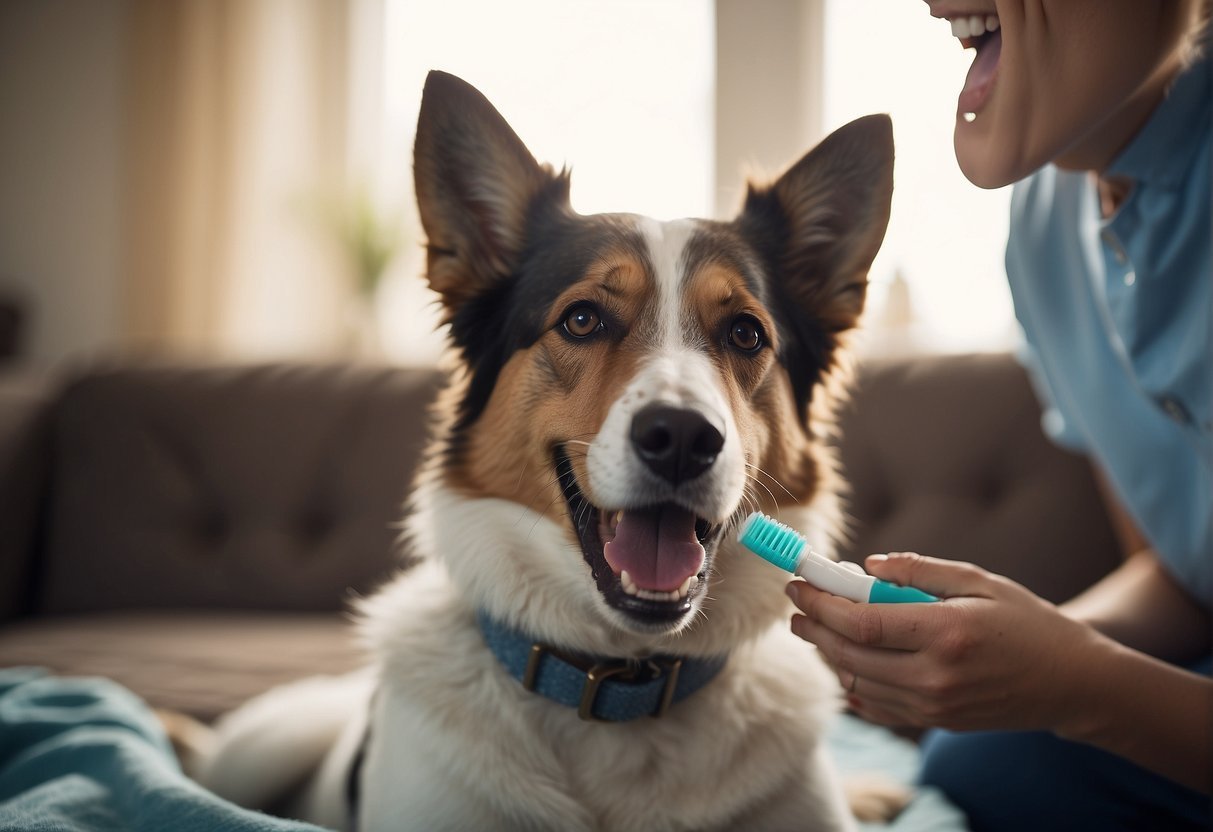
1140	604
992	655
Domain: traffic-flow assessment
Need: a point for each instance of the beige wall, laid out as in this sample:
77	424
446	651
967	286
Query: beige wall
60	176
768	90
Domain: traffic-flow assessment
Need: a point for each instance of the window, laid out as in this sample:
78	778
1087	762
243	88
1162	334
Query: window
626	93
946	237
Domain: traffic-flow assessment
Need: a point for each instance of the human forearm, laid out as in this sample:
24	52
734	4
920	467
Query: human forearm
1143	709
1141	606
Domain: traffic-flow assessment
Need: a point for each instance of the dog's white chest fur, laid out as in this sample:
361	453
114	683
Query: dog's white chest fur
457	743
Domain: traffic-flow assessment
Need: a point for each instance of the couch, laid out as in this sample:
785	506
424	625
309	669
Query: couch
197	532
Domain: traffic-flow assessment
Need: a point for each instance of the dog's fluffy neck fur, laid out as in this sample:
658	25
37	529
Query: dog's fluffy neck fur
560	770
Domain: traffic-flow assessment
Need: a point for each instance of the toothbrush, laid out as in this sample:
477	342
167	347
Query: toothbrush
787	549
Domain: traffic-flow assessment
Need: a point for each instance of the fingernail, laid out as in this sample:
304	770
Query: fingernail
791	590
877	558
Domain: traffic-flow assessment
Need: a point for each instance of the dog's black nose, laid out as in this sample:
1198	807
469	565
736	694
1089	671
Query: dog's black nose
676	443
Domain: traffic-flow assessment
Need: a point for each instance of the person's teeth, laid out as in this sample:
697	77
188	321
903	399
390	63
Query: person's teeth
973	26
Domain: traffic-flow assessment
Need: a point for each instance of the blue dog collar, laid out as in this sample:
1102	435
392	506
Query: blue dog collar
608	690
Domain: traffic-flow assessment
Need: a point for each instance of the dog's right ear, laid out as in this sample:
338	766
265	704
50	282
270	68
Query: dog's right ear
476	183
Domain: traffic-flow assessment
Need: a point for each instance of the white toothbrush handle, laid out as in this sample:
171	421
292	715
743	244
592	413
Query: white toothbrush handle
833	577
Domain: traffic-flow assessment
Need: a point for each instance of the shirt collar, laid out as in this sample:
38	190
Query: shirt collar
1161	153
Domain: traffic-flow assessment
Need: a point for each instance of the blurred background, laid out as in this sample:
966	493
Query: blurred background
225	185
232	178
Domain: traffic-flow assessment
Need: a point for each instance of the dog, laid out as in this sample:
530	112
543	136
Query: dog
582	645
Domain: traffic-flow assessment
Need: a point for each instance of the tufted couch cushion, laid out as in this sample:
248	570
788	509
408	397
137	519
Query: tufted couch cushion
267	488
946	457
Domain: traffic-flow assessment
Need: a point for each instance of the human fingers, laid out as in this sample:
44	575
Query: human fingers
870	693
850	659
892	626
876	714
945	578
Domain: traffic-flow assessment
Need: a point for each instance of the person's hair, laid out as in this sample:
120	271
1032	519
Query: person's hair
1199	30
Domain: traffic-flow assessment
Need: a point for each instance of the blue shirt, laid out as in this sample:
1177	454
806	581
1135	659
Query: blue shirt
1116	315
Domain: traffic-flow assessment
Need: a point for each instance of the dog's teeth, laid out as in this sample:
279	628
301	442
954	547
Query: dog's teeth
629	586
977	25
960	27
992	23
652	595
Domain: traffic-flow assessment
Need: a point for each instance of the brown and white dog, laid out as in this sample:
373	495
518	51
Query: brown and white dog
627	390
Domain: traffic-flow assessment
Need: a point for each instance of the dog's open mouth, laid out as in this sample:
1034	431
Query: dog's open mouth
648	562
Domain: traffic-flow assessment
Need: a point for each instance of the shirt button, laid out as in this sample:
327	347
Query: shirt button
1111	242
1174	408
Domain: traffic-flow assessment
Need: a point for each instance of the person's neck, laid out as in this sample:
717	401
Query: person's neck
1112	192
1105	140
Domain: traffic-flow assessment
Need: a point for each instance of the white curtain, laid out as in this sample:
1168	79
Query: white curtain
245	117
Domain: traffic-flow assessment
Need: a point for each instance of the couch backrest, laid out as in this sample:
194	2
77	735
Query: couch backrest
24	443
267	487
946	457
279	487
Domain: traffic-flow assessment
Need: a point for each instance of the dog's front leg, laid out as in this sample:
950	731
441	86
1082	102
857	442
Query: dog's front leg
425	771
810	802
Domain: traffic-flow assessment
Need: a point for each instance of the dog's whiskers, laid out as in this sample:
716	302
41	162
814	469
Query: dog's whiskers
759	483
772	479
521	474
539	516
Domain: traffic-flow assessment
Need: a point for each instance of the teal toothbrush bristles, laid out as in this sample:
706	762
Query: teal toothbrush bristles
772	541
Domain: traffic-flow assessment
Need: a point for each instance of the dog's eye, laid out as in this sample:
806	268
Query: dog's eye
745	334
582	321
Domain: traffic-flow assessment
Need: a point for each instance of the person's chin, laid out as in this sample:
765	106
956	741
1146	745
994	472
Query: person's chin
986	158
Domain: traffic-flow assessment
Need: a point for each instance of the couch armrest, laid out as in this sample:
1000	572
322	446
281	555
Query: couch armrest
24	451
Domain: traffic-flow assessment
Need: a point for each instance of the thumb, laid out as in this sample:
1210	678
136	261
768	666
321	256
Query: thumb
945	578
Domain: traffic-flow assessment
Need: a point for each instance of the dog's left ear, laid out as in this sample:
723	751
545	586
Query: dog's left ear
476	185
829	212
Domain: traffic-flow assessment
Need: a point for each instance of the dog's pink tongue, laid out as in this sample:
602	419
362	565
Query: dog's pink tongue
657	547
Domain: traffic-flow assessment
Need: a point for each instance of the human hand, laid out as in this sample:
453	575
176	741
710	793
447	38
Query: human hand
989	655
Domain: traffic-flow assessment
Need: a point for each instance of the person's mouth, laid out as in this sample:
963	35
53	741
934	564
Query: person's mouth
983	33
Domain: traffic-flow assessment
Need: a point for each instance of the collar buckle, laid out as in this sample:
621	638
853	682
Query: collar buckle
620	670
